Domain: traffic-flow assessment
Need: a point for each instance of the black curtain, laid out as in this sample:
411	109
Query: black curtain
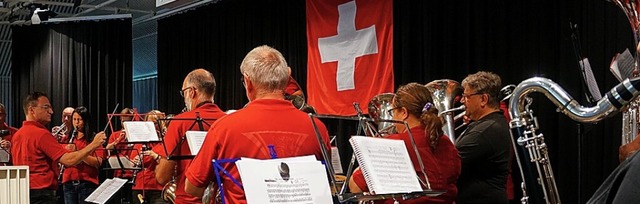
84	63
432	40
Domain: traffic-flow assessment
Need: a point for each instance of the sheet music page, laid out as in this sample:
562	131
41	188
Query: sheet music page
105	191
626	64
387	164
140	131
195	139
335	161
614	68
590	79
113	162
284	182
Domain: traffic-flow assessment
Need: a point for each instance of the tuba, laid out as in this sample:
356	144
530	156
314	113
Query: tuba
169	191
531	151
379	107
630	117
444	93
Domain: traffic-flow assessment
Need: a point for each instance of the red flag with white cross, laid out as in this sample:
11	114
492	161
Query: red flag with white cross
350	53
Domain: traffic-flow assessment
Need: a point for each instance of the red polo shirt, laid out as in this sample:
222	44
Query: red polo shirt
123	150
34	146
247	133
146	178
12	131
82	171
176	130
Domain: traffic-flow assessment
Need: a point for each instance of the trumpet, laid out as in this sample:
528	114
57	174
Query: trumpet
59	132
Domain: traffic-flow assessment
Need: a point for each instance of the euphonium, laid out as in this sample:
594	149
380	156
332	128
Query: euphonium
169	192
444	93
531	152
630	116
379	107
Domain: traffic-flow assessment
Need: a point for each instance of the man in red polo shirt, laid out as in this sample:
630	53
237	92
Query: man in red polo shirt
197	89
268	120
34	146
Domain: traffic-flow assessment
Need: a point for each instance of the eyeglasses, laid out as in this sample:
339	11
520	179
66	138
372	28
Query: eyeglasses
185	89
46	107
390	111
466	96
243	82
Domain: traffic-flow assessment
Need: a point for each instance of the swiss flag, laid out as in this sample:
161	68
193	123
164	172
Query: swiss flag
350	53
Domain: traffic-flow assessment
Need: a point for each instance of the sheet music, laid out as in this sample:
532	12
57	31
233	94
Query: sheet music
614	68
335	161
113	162
195	139
103	193
626	64
140	131
386	165
590	79
305	182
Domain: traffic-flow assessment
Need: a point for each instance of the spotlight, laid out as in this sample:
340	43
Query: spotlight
41	13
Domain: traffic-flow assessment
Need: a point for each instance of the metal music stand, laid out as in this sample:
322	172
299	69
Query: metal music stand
197	120
364	125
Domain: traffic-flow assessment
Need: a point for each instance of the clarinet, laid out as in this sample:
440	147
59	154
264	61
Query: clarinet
73	135
139	164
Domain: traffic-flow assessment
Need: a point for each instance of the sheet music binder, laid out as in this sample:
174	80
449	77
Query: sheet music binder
385	164
171	155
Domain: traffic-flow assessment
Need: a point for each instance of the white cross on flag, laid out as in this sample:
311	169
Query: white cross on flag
350	56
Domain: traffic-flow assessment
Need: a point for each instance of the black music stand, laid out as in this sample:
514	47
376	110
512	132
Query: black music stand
197	120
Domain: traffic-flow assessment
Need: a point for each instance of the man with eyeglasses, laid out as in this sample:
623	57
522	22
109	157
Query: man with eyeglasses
484	146
197	90
34	146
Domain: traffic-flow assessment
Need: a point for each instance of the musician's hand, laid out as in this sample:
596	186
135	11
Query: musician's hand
466	119
99	139
5	144
71	147
136	160
151	154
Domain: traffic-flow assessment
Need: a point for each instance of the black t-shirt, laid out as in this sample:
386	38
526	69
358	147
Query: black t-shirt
485	151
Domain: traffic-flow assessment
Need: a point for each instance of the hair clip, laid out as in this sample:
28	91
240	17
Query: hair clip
427	106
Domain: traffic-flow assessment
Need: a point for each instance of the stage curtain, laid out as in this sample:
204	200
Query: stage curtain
146	94
432	40
85	63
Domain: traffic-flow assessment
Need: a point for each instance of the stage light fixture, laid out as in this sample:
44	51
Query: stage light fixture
41	14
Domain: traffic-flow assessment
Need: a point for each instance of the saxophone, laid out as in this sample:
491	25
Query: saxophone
539	184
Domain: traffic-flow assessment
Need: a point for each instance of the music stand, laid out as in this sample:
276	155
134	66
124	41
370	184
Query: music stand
197	120
364	124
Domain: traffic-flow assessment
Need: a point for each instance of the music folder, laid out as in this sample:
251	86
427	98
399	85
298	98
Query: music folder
105	191
126	164
195	139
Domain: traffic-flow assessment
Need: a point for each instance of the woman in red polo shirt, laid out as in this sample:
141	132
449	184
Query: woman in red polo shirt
81	180
413	104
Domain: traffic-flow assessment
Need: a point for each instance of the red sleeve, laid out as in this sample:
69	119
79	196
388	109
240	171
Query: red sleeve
358	178
113	136
200	172
50	147
171	140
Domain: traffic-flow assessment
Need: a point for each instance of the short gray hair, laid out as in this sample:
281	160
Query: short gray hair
485	82
266	68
